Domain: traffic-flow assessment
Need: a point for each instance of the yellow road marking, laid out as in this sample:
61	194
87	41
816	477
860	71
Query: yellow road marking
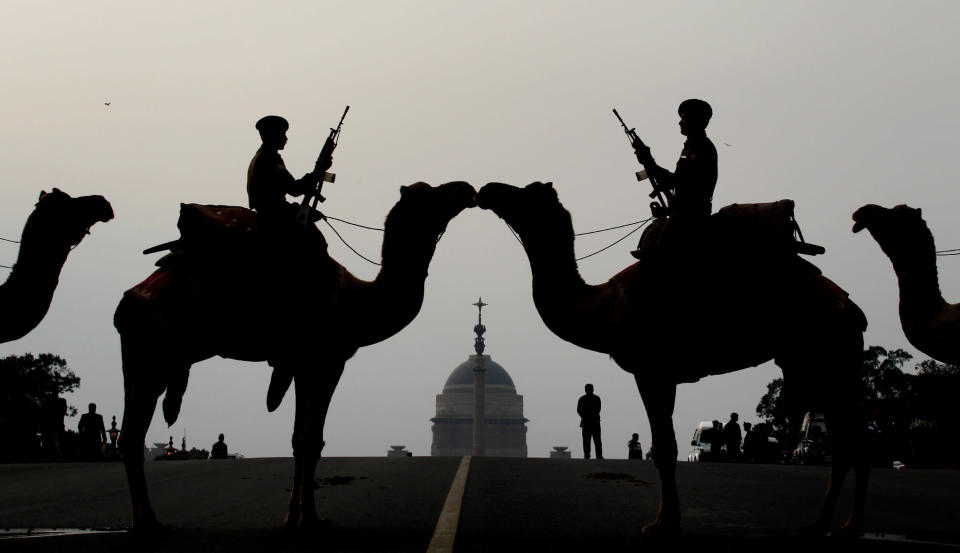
446	531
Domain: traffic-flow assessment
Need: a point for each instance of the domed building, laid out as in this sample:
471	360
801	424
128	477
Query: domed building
505	428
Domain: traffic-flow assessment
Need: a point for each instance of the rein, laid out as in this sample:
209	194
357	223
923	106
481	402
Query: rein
640	224
361	256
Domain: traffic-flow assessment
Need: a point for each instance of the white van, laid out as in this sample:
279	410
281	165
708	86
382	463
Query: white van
701	446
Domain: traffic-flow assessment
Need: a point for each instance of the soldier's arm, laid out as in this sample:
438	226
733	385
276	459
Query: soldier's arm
290	185
664	178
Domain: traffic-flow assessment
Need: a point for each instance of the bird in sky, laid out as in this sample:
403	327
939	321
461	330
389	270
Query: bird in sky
106	103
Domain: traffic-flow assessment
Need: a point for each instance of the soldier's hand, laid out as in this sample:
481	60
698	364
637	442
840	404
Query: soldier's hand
643	153
322	166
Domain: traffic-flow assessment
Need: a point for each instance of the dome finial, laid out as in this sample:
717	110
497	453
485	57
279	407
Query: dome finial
479	328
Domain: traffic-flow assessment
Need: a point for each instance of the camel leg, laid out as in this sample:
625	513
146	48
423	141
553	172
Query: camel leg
658	400
292	517
854	523
842	406
141	391
847	428
314	392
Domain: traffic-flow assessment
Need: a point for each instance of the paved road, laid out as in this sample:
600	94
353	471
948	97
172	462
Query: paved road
393	504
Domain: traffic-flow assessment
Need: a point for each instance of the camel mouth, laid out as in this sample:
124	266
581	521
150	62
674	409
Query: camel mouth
483	196
861	217
106	215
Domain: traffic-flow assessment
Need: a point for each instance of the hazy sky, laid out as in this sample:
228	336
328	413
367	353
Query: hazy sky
834	105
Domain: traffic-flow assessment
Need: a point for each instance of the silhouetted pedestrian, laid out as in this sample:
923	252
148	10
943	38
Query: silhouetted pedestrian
52	431
732	437
749	447
219	449
92	433
716	441
588	407
634	451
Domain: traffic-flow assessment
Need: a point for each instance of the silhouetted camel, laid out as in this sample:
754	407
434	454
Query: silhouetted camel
930	323
57	224
741	310
192	311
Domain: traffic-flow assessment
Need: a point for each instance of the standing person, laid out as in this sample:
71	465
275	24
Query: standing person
92	433
588	407
748	443
732	437
689	189
219	449
52	431
634	451
716	441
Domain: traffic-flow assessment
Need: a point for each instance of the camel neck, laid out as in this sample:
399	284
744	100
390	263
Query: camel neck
575	311
405	258
919	283
27	293
38	265
382	307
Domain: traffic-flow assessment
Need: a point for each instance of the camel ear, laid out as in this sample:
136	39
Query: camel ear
42	194
403	190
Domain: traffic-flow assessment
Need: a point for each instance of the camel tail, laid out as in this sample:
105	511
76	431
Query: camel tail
176	386
279	383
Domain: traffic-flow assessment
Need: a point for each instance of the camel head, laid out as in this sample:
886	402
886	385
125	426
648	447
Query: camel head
900	231
65	220
532	210
424	211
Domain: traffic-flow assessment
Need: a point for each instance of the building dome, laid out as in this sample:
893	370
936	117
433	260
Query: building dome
495	376
503	427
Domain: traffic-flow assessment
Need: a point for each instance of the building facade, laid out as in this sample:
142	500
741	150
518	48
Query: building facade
505	431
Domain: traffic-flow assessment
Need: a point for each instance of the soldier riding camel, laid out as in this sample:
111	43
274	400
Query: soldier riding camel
269	182
689	189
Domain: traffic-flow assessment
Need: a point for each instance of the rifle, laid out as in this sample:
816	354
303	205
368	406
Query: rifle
324	161
658	207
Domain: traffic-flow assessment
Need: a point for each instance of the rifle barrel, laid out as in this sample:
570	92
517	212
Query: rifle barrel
619	118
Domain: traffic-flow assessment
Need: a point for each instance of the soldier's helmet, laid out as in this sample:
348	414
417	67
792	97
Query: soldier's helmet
697	110
272	124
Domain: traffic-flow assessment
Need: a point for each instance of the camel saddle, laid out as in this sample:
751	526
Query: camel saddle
771	223
217	224
756	229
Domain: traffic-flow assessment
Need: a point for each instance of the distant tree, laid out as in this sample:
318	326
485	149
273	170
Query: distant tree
888	400
933	368
934	433
887	397
774	410
28	383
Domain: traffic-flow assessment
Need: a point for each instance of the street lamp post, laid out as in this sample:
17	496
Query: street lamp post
114	432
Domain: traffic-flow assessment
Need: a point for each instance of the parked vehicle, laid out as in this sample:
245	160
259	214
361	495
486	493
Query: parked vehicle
702	444
813	447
